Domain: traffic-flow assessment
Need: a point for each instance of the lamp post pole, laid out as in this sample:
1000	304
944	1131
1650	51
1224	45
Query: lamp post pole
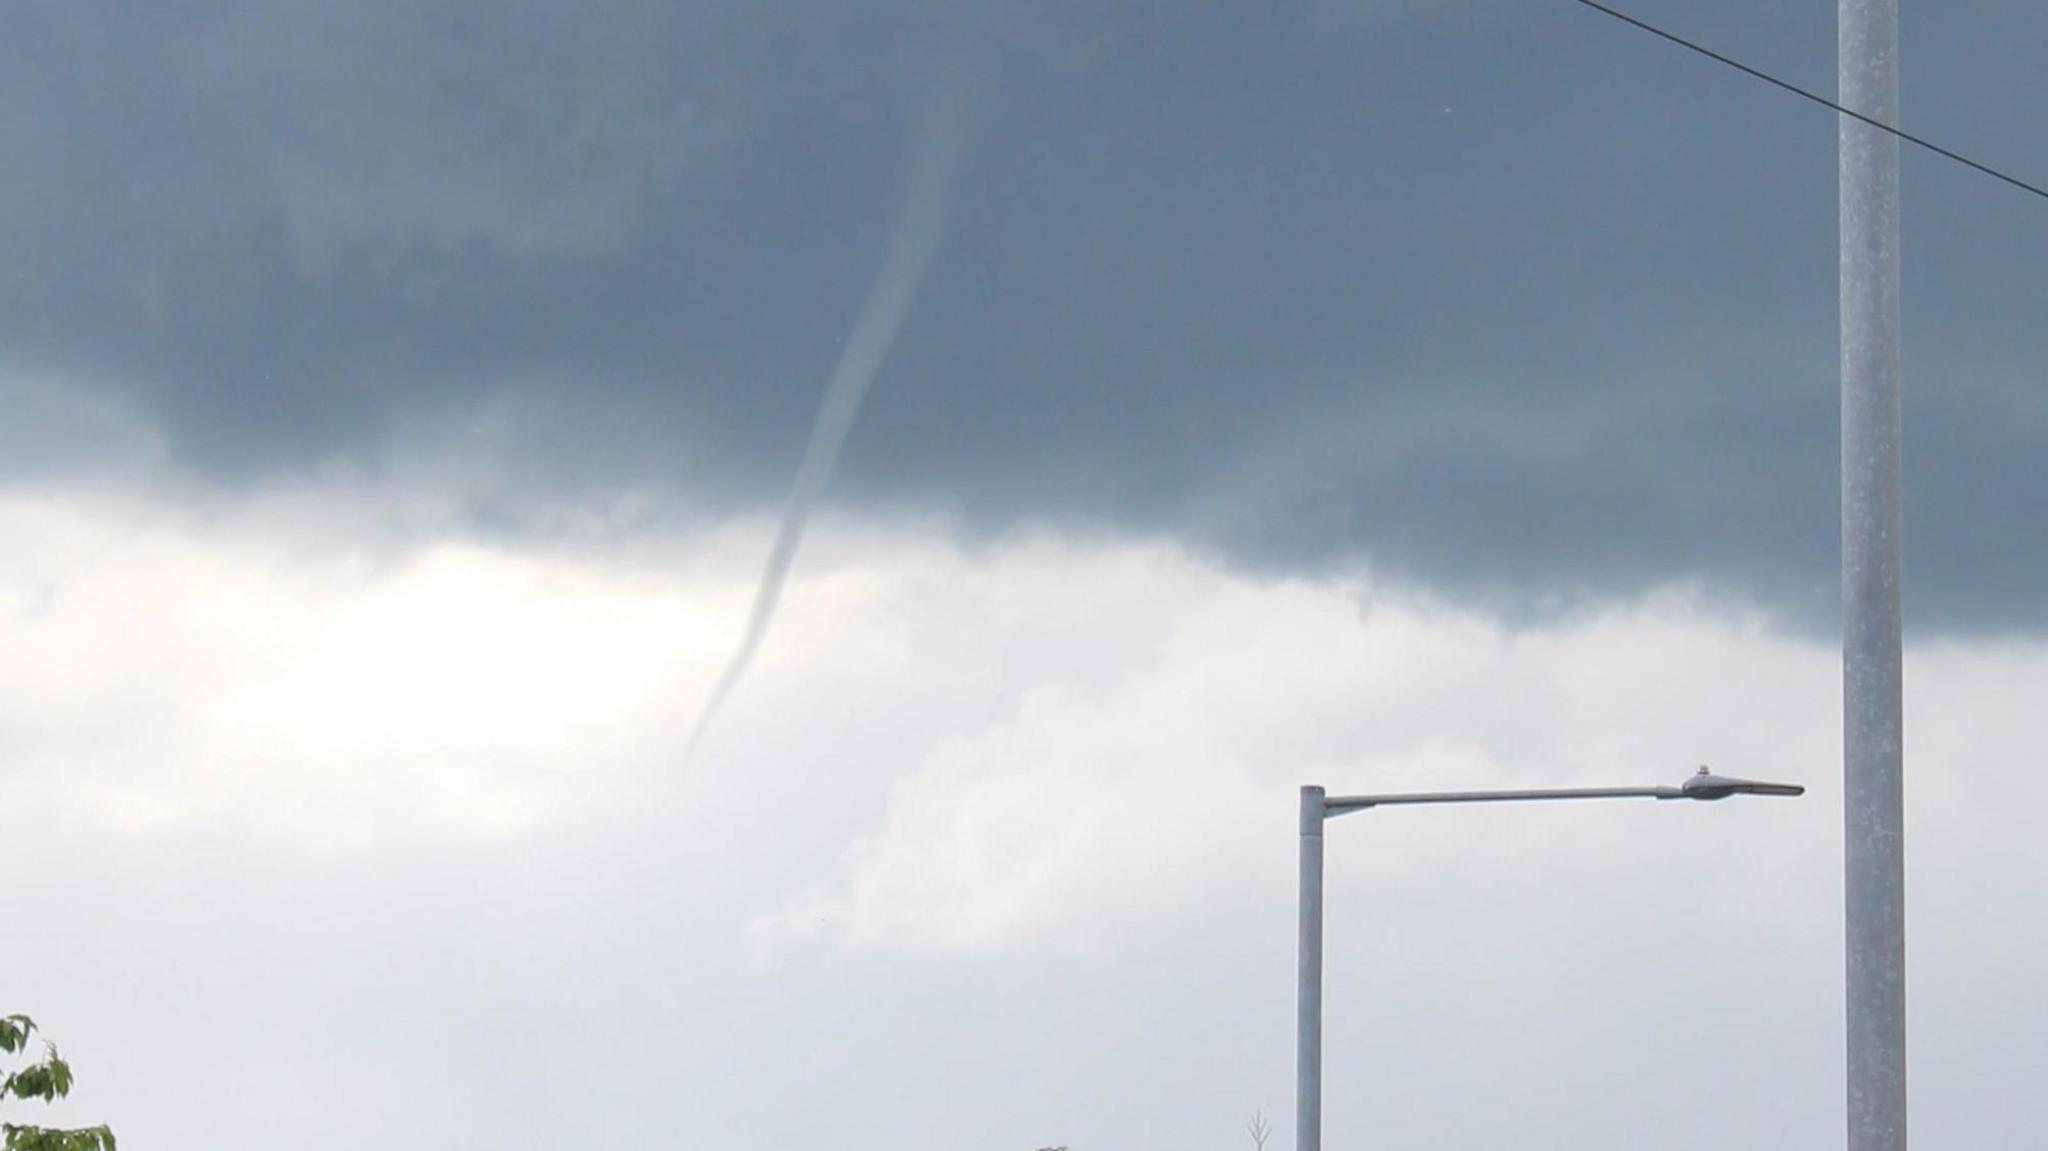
1317	808
1308	1000
1873	763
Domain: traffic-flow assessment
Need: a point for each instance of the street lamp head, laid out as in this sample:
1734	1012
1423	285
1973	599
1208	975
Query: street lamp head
1706	785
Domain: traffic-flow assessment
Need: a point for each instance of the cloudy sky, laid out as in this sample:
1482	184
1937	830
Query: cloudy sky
401	400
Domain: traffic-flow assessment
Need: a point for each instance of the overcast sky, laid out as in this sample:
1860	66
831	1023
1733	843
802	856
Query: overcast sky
400	400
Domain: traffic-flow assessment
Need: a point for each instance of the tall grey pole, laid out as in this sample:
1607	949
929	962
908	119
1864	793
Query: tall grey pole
1308	1000
1873	763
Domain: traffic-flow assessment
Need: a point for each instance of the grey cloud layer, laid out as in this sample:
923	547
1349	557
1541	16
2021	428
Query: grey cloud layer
1516	303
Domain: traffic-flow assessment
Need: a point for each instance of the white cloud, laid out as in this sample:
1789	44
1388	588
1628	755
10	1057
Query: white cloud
1093	819
297	665
162	669
1088	818
1020	816
1041	747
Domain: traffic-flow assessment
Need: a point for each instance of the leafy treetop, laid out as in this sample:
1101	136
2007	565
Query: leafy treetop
48	1080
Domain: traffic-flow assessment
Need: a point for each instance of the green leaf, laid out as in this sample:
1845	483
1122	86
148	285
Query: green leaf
48	1080
14	1032
15	1137
30	1083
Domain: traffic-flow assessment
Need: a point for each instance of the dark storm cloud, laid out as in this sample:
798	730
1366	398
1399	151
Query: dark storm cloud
1502	297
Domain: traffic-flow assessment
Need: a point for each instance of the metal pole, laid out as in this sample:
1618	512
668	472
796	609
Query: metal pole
1873	764
1308	1001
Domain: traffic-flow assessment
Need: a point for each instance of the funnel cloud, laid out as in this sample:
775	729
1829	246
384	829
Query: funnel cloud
914	239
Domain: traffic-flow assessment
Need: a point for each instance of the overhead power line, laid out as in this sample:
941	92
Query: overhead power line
1823	101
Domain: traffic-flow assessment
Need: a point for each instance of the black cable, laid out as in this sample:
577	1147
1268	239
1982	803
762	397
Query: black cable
1823	101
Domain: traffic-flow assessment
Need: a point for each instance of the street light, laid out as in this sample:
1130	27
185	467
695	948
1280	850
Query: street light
1317	808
